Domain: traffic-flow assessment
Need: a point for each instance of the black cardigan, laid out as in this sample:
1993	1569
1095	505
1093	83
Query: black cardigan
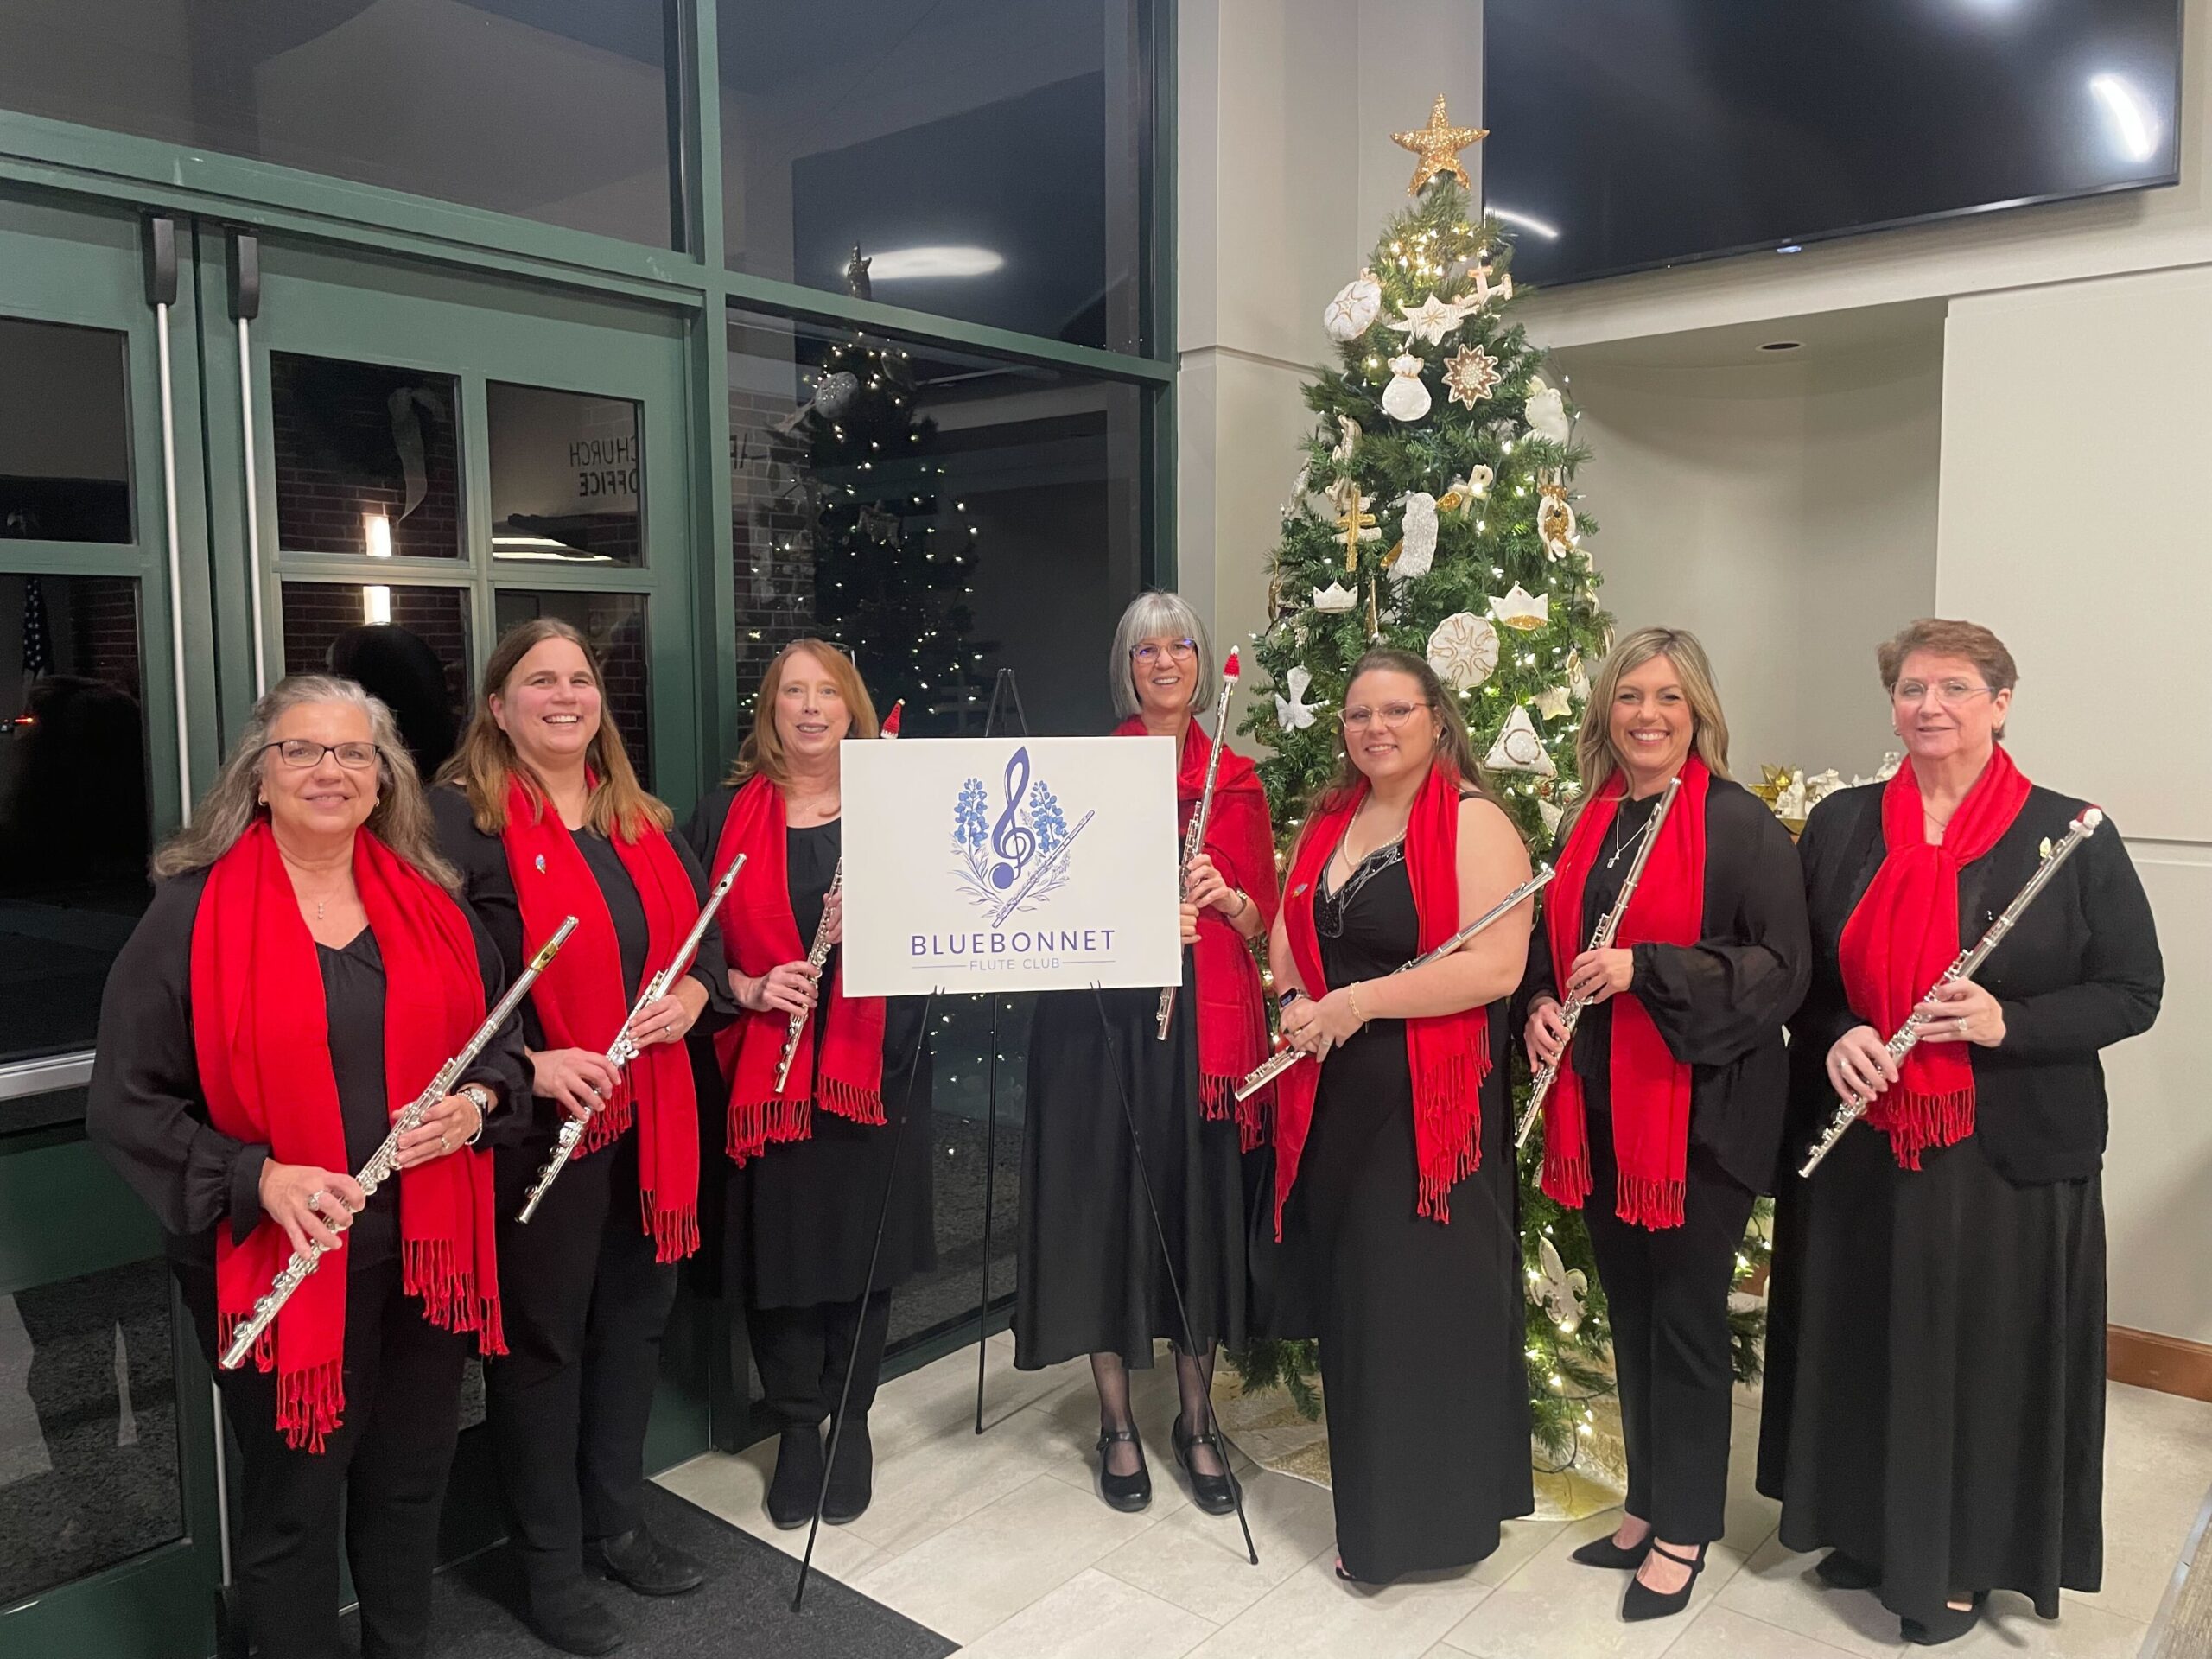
2080	971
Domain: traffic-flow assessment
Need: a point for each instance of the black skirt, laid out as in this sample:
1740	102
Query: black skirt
1936	1375
1091	1278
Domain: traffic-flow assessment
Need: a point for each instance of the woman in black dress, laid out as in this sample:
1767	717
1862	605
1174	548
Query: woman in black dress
807	1162
1668	1116
303	971
544	816
1936	1347
1092	1278
1397	1205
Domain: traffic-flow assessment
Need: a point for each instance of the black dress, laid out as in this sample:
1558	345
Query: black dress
1936	1348
1419	1325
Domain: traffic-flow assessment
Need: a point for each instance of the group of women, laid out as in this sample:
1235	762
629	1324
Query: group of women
1933	1408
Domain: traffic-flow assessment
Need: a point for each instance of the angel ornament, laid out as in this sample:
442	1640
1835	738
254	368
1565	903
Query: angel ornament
1557	1288
1554	516
1348	435
1545	412
1416	550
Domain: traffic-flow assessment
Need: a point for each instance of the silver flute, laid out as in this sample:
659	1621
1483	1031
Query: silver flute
383	1162
1195	837
624	1049
1601	939
1283	1059
817	954
1963	967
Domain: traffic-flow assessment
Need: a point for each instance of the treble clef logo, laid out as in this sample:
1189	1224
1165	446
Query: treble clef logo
1011	839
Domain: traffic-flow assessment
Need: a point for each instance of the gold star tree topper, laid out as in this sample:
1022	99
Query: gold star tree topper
1438	144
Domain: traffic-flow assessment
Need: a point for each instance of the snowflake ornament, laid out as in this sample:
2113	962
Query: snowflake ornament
1469	375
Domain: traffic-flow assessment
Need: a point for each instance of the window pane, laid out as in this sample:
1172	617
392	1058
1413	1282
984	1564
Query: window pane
556	110
368	458
65	433
73	826
565	474
615	624
989	159
409	645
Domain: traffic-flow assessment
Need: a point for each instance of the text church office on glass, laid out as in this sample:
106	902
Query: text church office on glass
347	337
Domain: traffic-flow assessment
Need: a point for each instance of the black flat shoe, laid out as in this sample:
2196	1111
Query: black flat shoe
798	1477
852	1477
648	1565
1841	1572
1215	1494
573	1622
1642	1602
1945	1624
1603	1551
1125	1492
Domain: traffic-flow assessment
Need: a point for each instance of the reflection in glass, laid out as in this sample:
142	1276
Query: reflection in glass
989	161
88	1445
566	471
615	624
407	645
555	109
368	458
73	824
65	433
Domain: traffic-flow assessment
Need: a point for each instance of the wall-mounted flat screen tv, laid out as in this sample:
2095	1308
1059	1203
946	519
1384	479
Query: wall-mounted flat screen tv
1631	134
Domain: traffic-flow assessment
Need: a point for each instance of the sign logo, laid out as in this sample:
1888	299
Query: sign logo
1014	860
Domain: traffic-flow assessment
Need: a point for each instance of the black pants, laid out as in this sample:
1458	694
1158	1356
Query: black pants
387	1461
584	1304
1668	1294
802	1354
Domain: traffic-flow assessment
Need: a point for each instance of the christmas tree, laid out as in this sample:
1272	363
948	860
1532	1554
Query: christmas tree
1436	512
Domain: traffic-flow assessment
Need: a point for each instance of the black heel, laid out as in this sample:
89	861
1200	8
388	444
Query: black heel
1603	1551
1642	1602
1215	1494
1125	1492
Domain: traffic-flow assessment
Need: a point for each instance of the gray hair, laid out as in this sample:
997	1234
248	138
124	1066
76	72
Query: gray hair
1152	614
401	818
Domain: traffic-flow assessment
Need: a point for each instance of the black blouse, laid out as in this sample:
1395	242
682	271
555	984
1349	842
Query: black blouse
1719	1005
2080	971
148	1113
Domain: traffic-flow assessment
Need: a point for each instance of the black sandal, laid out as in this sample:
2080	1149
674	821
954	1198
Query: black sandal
1642	1602
1127	1493
1215	1494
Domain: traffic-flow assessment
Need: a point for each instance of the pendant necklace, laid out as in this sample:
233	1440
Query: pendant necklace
1618	848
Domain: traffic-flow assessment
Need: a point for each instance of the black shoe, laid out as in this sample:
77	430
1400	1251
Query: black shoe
572	1620
1127	1492
1215	1494
852	1477
1945	1624
648	1565
1603	1551
1642	1602
798	1476
1841	1572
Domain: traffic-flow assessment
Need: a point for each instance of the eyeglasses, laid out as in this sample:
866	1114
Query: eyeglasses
1181	651
1392	715
1949	693
300	753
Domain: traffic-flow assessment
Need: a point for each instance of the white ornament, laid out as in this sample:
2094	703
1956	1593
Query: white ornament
1551	815
1430	321
1553	704
1347	440
1820	786
1545	412
1485	289
1884	773
1577	682
1519	748
1522	609
1352	312
833	392
1405	398
1556	1287
1293	713
1463	651
1554	516
1789	799
1417	550
1334	597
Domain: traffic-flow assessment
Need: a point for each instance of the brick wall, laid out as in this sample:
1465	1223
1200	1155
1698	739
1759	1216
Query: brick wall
773	517
316	613
338	458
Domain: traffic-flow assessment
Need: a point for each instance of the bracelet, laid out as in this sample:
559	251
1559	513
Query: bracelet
481	1098
1243	904
1351	997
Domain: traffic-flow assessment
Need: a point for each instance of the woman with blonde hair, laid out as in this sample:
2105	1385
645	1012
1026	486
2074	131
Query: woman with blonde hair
543	816
302	972
1666	1116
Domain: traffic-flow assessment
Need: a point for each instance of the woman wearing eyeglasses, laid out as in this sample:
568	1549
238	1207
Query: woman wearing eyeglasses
303	971
1933	1413
1093	1280
1393	1177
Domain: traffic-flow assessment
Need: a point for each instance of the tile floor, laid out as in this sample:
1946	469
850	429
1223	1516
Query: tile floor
1000	1544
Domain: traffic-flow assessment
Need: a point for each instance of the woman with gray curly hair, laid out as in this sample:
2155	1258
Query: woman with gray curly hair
303	968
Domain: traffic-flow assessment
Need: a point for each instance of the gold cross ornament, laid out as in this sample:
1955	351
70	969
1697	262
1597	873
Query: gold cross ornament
1357	525
1438	144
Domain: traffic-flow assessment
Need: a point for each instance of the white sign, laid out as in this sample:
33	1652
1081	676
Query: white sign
1009	864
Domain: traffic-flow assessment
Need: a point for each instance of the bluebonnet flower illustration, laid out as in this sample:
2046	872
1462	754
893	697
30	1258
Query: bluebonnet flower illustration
969	828
998	857
1045	817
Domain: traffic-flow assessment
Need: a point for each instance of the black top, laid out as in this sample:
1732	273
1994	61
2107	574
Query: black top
1719	1004
2079	970
149	1113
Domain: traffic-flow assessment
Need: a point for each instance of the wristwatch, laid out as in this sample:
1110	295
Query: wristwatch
483	1100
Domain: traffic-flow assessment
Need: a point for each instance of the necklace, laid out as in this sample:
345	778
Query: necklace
1618	848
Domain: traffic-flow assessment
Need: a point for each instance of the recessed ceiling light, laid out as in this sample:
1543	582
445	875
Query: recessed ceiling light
1782	346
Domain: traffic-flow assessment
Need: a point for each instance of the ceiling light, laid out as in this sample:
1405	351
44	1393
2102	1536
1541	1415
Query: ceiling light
1791	247
2134	127
903	265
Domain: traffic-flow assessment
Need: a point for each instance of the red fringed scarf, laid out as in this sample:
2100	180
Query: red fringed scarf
1232	1007
1449	1054
580	1002
261	1038
1650	1087
1903	934
760	931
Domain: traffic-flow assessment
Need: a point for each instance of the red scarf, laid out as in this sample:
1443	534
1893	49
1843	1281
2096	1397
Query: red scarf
1905	933
580	1002
1650	1087
1232	1007
1449	1054
261	1038
760	931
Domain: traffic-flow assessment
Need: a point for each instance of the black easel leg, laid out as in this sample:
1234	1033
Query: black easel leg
867	1289
1167	1256
991	1182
